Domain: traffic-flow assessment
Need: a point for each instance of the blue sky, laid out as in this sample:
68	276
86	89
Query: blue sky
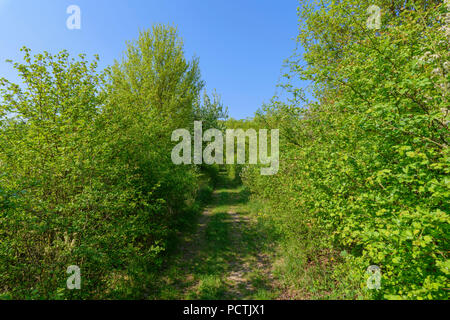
241	44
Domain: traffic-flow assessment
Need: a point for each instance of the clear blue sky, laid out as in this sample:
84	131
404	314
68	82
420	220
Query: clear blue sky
241	43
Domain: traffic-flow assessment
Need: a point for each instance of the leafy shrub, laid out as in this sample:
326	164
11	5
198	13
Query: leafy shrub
87	177
364	171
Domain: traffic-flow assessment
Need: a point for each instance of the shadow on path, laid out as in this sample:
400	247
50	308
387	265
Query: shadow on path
228	256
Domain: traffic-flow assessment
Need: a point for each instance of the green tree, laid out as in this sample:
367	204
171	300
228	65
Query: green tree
86	173
365	167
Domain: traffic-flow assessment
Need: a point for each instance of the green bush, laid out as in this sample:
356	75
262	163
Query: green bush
87	177
364	170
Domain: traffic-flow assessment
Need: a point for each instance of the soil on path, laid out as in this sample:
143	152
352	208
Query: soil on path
227	257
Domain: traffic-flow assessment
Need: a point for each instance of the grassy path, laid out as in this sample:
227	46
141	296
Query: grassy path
228	256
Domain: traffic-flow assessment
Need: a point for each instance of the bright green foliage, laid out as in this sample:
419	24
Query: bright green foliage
211	112
365	170
47	139
234	170
86	175
154	91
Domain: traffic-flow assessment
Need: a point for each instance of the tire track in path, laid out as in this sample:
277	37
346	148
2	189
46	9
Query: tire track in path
227	257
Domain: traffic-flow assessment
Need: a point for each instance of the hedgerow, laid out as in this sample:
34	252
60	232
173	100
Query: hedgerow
86	174
364	170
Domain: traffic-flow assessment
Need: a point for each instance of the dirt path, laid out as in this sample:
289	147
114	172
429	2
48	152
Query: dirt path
227	257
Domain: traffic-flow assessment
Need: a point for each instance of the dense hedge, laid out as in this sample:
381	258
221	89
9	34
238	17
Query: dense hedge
86	174
364	171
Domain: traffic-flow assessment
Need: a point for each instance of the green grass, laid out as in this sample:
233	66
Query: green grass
235	251
221	257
